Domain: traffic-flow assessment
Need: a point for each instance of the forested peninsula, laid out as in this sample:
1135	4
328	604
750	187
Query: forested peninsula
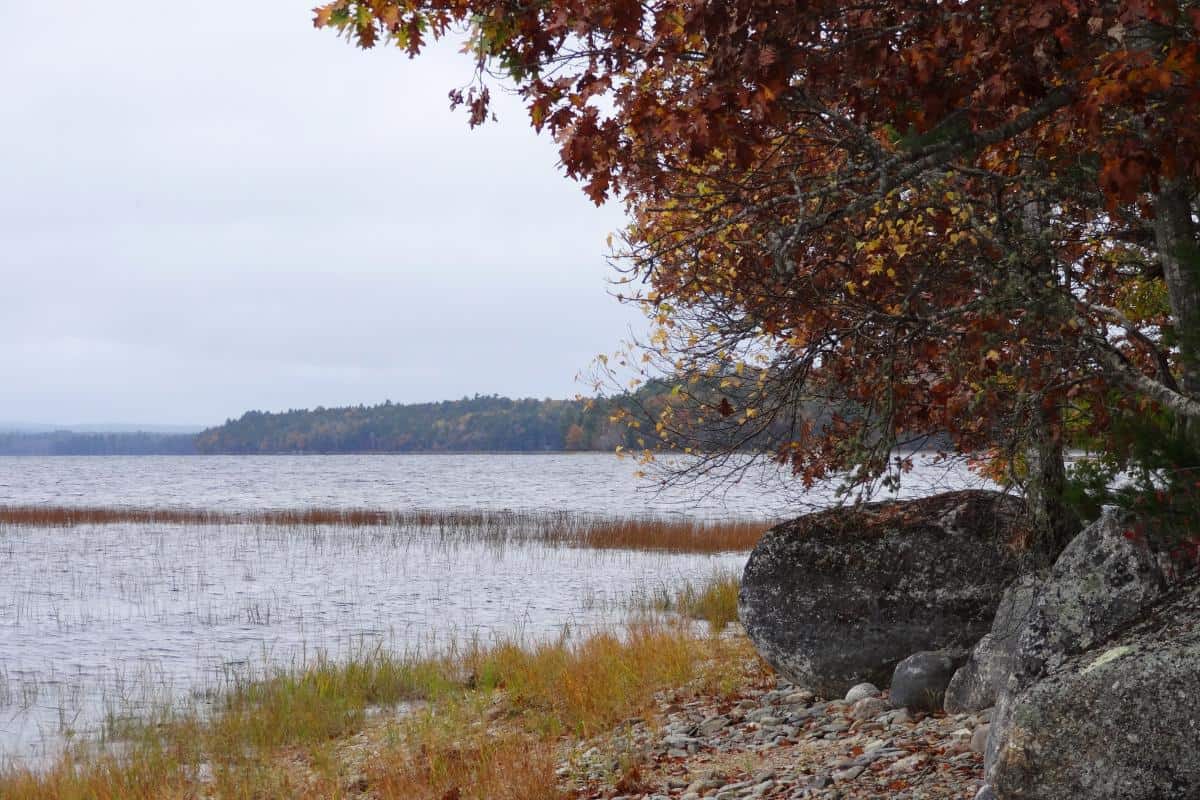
711	410
483	423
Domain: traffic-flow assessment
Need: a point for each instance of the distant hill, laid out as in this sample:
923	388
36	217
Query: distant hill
75	443
94	427
484	423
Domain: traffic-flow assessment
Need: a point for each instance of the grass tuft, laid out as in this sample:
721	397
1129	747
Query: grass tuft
713	600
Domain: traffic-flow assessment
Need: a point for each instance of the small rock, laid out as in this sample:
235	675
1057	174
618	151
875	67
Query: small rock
869	708
861	692
920	680
848	774
820	780
761	788
713	724
908	764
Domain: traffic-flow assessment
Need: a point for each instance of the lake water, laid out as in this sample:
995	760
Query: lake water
99	618
584	482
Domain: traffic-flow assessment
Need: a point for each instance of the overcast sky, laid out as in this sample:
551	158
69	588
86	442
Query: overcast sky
211	207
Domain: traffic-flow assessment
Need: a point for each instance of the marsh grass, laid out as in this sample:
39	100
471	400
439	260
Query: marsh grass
712	599
482	722
675	535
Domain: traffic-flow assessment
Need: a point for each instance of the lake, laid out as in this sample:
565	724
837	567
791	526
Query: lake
107	619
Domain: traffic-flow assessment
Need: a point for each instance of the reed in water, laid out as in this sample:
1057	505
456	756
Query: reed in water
563	529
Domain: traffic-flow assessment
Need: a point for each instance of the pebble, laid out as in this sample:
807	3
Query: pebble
779	743
869	708
908	764
848	774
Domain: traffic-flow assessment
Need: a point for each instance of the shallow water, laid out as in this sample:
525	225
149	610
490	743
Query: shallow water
112	618
115	617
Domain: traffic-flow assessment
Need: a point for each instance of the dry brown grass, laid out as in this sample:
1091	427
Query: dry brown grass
509	766
499	527
488	727
68	516
676	536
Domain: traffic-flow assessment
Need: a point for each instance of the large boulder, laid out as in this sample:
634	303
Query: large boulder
839	597
1105	578
1120	721
978	683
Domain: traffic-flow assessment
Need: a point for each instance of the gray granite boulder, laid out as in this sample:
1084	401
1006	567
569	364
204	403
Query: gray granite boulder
839	597
978	683
1119	721
1104	579
919	681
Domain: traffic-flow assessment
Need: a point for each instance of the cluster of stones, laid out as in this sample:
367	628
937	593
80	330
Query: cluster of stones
784	742
1091	665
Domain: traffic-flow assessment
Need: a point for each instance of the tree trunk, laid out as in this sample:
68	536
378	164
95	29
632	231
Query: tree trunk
1054	522
1175	234
1045	486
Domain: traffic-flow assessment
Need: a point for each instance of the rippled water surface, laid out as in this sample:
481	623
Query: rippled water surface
590	482
106	618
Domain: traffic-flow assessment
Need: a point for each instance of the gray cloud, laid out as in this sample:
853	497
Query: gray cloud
208	207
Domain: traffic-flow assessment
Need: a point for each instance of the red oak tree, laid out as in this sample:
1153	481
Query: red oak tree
973	217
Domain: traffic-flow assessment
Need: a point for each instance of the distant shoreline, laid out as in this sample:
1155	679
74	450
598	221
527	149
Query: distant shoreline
306	453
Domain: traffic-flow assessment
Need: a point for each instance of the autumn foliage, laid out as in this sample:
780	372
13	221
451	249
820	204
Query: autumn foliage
975	217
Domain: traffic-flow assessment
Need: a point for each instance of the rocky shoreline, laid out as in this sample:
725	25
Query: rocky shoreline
1081	682
776	740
